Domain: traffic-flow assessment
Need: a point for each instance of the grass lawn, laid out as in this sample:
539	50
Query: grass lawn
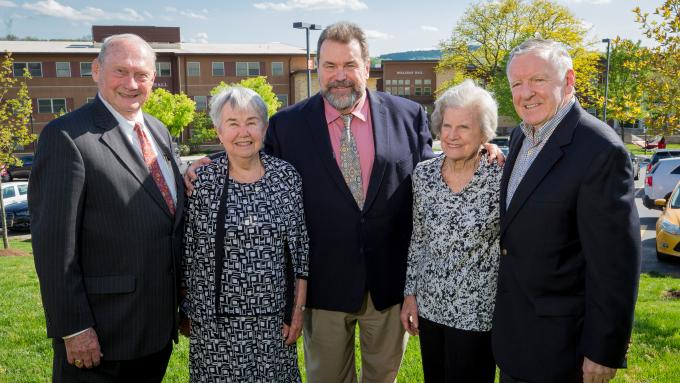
25	352
638	151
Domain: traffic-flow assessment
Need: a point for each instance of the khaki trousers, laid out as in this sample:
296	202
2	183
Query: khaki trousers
329	338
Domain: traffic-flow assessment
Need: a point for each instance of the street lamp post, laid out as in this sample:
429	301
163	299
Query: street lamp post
606	86
307	27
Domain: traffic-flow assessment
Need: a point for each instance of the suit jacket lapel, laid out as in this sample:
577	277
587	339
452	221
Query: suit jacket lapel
160	138
114	138
381	139
318	127
549	155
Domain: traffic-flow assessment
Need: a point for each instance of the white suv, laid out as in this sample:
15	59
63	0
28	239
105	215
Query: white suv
661	180
14	192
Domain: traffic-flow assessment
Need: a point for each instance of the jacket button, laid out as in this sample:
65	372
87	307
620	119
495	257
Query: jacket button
504	252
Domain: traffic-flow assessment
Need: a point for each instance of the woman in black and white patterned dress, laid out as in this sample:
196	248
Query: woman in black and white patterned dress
454	252
245	259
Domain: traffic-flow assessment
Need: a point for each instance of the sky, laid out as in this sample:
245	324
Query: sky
391	25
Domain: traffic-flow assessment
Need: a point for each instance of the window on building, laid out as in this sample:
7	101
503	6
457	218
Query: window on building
283	98
51	105
163	69
418	91
407	82
86	69
34	68
418	81
400	82
193	69
89	100
201	102
218	68
244	69
63	69
427	82
427	91
277	68
407	91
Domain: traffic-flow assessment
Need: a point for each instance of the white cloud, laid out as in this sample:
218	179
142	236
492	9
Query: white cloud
429	28
55	9
377	35
202	15
200	37
7	4
589	1
314	5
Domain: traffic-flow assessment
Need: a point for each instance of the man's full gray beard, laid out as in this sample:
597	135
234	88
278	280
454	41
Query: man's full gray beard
341	102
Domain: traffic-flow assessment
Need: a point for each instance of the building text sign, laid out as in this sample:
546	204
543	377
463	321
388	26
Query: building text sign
410	72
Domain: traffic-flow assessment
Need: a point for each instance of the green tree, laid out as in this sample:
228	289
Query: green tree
202	129
15	113
487	32
174	110
663	87
629	74
260	85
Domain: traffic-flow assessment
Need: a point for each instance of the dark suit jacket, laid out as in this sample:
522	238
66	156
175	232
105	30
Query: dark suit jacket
353	251
105	244
570	255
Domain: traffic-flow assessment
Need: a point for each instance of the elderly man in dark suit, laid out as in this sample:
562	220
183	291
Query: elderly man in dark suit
570	239
106	199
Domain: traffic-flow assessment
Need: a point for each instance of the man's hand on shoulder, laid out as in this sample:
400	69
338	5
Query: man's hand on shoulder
495	153
83	349
190	174
596	373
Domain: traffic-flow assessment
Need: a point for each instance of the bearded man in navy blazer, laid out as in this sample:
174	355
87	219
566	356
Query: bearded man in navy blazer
570	239
106	202
359	233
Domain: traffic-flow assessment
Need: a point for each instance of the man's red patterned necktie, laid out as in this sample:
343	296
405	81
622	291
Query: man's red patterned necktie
152	163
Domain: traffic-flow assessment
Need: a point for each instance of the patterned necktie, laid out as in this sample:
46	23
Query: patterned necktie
349	158
151	162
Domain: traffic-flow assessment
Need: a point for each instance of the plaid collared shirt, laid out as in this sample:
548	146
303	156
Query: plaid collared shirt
532	146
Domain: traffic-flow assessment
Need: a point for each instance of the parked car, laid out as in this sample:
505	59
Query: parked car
636	165
668	227
23	171
660	181
661	154
14	192
503	143
17	216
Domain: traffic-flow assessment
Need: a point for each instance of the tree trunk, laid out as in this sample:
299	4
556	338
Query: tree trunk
5	241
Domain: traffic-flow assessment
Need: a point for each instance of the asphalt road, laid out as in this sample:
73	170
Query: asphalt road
648	234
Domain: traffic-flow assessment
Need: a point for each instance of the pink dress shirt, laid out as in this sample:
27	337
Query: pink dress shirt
362	129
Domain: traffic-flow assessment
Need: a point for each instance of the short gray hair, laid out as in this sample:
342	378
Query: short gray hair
109	41
238	97
554	52
467	95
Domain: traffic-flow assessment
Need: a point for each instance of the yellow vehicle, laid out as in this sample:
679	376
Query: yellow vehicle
668	226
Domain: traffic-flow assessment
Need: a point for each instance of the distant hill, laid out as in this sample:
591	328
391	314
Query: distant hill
434	54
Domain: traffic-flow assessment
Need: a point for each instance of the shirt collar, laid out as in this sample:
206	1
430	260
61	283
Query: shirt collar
122	121
544	131
359	111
